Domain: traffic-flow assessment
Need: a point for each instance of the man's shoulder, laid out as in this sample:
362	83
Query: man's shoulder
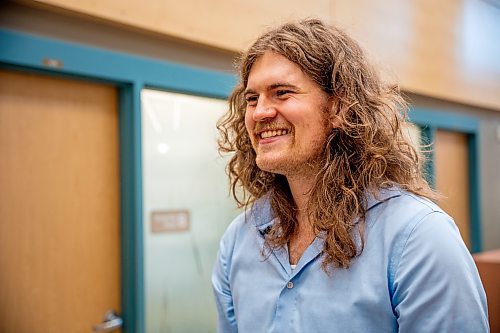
401	209
397	199
412	204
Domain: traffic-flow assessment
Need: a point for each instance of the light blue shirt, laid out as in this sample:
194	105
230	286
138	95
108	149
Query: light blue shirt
414	275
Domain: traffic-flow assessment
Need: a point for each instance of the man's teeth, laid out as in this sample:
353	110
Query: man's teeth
269	134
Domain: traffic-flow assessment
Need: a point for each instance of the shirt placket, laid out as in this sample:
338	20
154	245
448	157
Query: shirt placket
287	314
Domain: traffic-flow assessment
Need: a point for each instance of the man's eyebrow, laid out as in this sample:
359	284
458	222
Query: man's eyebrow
273	86
249	91
281	85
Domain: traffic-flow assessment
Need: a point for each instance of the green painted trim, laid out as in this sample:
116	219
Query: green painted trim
130	74
448	121
32	51
428	135
432	120
475	193
131	208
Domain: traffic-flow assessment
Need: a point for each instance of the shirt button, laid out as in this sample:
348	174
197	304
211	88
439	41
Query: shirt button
289	285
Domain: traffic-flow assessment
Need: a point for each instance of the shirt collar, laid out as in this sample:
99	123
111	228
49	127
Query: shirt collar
262	216
375	198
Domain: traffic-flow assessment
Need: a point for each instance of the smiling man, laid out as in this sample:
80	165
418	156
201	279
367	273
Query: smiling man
339	233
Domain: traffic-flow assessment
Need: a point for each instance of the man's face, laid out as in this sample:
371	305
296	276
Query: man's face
285	116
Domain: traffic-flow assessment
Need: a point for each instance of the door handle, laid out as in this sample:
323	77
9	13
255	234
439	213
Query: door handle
111	322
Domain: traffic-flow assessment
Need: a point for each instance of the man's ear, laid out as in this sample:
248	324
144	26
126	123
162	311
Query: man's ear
335	121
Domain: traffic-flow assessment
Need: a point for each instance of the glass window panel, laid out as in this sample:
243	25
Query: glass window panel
182	172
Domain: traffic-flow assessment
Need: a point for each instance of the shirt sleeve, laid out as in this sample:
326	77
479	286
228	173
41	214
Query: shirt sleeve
226	321
436	283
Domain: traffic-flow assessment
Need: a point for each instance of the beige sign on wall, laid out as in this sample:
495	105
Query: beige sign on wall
170	221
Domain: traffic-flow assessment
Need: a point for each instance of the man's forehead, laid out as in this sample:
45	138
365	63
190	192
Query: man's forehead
273	70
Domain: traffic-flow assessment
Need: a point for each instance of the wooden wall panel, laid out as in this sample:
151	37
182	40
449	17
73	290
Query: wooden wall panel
446	49
227	24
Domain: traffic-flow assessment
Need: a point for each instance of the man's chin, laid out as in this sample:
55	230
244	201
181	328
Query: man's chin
267	166
286	166
274	166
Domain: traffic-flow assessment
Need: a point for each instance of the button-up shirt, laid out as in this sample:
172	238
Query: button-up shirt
414	275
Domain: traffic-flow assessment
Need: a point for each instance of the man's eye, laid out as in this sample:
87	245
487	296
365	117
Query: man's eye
282	93
251	100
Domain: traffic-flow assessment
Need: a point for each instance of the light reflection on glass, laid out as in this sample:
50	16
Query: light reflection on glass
163	148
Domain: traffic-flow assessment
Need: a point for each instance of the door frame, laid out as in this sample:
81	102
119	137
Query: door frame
429	121
130	74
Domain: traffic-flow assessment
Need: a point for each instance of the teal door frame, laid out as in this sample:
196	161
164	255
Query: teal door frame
130	74
429	122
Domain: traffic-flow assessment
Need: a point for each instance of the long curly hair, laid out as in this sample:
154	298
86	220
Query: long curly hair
367	151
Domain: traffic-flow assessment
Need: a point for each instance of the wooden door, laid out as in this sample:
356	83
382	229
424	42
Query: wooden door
59	204
452	178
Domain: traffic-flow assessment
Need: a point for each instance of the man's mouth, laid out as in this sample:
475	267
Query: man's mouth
272	133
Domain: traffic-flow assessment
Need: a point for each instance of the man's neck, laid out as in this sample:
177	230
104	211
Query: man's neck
300	186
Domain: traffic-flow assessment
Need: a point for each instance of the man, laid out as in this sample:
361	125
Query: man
339	234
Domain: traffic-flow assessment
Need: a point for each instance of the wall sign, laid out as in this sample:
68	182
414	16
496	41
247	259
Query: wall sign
170	221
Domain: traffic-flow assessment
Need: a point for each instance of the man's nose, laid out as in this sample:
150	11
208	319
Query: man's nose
264	110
